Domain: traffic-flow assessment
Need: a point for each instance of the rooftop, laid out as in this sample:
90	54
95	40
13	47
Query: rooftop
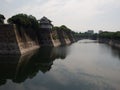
44	20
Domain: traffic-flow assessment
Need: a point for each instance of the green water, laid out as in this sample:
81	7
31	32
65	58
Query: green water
85	65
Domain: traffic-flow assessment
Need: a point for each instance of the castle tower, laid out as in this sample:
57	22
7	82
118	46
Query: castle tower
44	34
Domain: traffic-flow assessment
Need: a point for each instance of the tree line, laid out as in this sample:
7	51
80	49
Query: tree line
110	35
29	21
26	21
101	35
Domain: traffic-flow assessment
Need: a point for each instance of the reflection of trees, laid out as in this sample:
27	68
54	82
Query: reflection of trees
115	51
19	68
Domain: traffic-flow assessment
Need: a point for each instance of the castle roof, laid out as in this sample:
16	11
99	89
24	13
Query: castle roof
45	20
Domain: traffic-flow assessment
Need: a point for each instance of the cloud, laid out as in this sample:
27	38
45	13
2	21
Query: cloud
76	14
74	10
78	9
9	1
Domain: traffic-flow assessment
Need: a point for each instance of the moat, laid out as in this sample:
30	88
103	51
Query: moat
84	65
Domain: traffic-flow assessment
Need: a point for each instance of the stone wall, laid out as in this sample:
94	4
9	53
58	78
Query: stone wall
44	37
14	41
27	39
19	40
8	41
59	37
55	39
114	43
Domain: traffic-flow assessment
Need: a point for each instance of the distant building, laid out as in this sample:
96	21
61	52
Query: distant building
90	31
100	31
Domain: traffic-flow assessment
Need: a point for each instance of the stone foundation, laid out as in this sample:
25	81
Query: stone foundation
19	40
8	41
114	43
12	43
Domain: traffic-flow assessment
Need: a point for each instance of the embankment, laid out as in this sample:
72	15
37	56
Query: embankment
114	43
14	41
18	40
8	41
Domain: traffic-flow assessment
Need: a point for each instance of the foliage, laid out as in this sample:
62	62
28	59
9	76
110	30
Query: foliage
24	20
116	35
110	35
87	35
2	18
55	28
68	33
55	36
62	27
65	29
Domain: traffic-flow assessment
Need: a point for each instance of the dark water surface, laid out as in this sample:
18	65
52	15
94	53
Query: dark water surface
84	65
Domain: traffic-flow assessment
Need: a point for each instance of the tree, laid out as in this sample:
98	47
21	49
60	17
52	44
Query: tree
26	24
55	28
24	20
110	35
2	19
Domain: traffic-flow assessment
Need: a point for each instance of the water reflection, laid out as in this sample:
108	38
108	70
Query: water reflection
8	66
89	66
115	52
20	68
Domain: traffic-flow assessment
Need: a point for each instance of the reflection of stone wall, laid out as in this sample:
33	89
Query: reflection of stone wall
8	64
19	68
13	41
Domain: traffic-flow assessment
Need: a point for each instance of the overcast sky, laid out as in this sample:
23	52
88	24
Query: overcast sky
78	15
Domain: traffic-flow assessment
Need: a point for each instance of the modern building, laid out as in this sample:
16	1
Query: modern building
90	31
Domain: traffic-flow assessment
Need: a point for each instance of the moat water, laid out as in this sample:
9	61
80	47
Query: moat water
84	65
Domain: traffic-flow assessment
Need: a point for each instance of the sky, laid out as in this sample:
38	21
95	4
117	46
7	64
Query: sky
78	15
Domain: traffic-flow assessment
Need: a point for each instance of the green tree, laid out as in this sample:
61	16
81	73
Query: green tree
2	19
55	28
24	20
110	35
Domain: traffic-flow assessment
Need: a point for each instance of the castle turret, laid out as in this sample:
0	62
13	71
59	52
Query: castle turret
44	34
45	23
